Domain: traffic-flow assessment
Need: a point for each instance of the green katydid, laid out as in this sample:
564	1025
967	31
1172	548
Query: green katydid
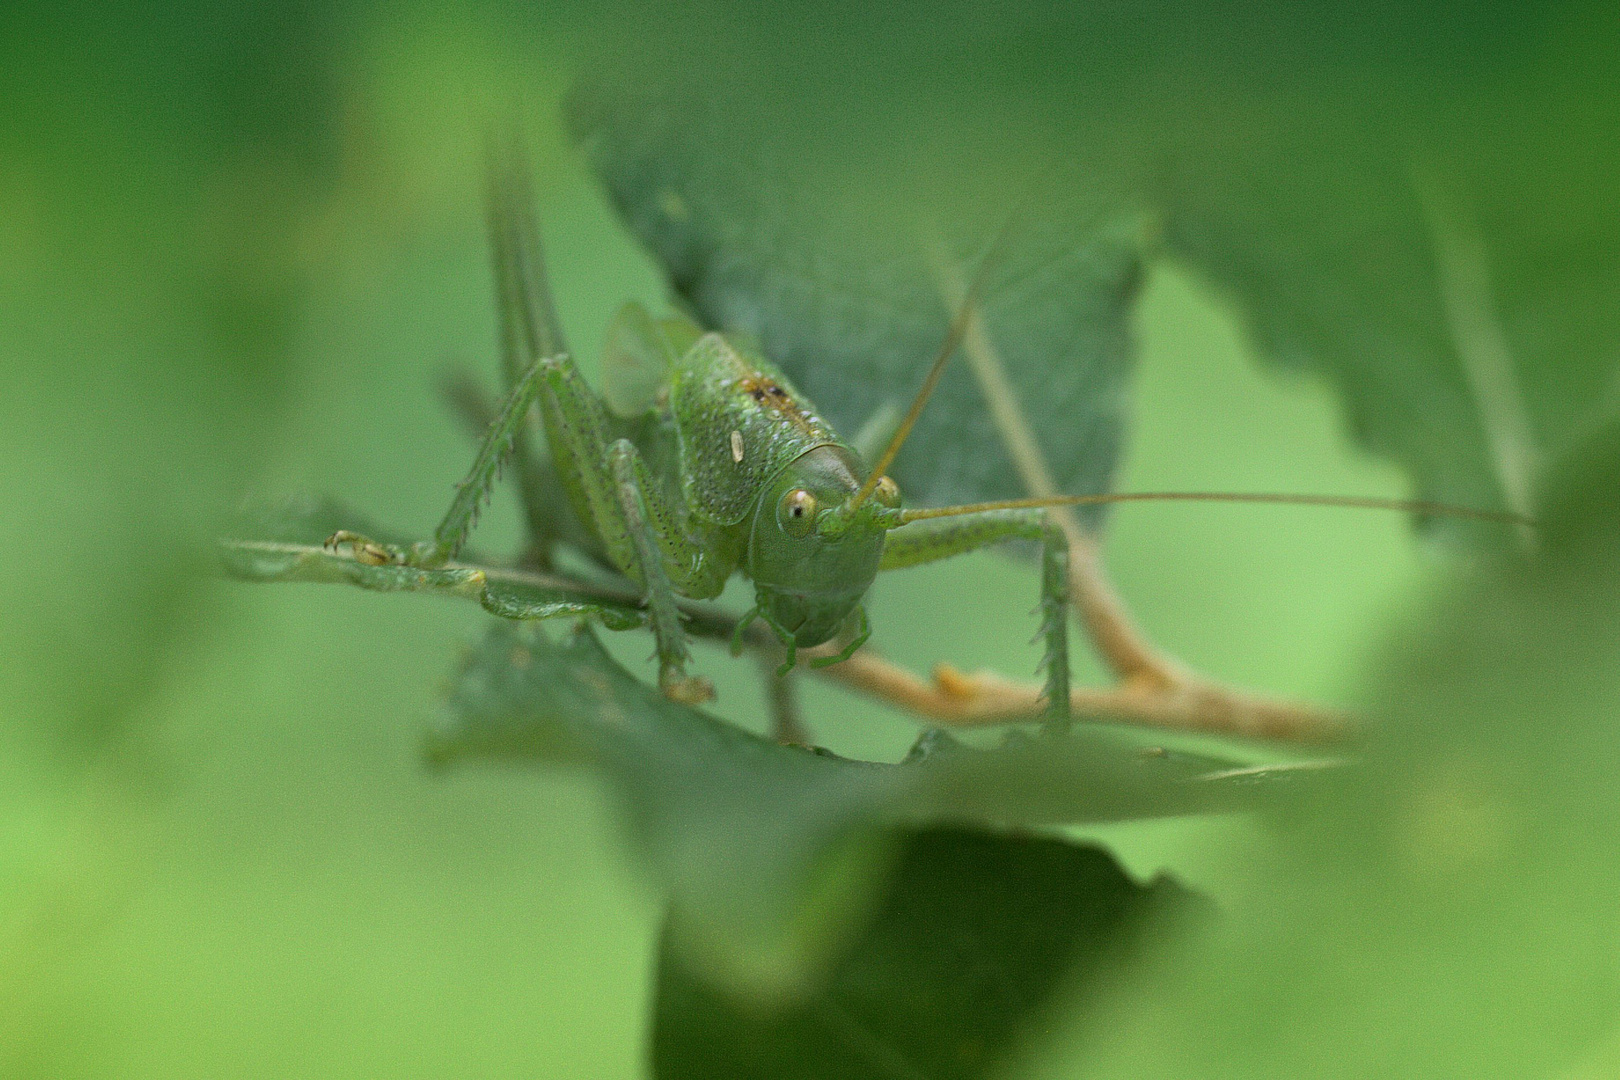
699	459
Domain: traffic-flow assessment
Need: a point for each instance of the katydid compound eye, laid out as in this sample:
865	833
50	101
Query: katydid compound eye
887	492
796	513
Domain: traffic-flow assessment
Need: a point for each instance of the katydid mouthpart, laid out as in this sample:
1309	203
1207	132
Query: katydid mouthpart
699	459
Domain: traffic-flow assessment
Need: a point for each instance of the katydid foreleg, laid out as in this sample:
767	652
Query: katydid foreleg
471	492
1054	629
932	539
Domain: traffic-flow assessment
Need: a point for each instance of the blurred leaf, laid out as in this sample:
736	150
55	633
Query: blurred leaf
1450	910
973	934
161	172
306	520
771	853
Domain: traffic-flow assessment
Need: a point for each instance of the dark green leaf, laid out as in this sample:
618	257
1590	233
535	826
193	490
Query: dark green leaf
973	935
1467	319
849	298
770	853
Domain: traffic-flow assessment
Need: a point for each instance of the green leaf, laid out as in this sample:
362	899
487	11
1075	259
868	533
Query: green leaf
770	853
850	301
973	936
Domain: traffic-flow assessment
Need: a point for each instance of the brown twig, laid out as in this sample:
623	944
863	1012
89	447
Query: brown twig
1153	687
1125	649
782	698
985	698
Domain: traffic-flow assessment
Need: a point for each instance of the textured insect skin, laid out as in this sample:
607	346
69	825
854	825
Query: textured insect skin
713	464
720	466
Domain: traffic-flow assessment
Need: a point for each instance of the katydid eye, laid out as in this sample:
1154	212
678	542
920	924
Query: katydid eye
887	492
796	513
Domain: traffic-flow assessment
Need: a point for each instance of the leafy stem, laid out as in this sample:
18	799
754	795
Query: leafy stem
950	698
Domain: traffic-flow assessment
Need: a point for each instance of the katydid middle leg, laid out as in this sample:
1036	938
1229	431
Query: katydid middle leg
613	491
932	539
650	534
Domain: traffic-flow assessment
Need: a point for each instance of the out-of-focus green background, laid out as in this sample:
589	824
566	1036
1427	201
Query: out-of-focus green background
238	250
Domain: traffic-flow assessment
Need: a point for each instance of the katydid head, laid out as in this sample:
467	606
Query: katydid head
811	562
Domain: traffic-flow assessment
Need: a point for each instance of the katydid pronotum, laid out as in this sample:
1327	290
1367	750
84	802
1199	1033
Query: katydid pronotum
699	459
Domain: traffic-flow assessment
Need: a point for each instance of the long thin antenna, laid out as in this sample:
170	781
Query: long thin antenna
953	339
1409	506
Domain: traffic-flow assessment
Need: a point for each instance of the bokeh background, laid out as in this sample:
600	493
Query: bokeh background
240	248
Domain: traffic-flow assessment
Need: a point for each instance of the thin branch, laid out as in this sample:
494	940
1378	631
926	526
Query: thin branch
1153	688
986	698
782	699
1122	645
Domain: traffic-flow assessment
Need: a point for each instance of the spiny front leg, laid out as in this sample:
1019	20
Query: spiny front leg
932	539
471	493
629	484
1054	609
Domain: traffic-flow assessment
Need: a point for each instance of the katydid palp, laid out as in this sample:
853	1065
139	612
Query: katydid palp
699	459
